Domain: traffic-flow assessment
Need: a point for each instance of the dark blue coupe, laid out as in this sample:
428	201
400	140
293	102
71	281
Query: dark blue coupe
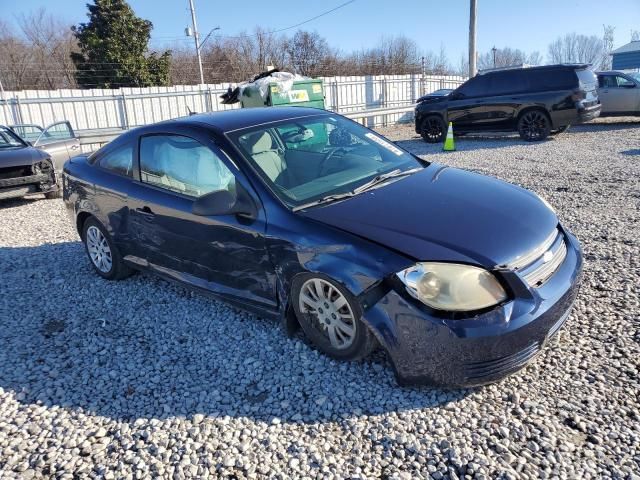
307	217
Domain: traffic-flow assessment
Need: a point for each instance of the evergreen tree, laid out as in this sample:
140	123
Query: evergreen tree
114	49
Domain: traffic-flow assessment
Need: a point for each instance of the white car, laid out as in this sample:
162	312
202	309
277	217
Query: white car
619	93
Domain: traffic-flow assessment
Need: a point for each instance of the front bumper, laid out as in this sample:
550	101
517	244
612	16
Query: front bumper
426	349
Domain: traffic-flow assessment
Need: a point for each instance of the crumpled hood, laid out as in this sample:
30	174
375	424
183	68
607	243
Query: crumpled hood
446	214
17	157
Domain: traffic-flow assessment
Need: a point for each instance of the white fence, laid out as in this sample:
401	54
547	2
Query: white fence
100	111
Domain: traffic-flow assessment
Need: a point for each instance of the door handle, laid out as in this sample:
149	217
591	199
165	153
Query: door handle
75	147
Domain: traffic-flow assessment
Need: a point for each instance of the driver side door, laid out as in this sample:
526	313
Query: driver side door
225	255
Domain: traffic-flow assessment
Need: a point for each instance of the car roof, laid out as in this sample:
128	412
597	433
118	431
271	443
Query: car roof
558	66
238	119
611	72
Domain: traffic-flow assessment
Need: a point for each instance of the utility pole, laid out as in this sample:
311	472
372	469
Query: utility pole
196	38
494	50
472	37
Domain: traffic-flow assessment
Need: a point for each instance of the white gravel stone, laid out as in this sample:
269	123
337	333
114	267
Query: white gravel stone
144	379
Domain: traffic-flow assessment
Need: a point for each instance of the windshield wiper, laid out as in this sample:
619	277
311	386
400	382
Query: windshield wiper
327	199
378	179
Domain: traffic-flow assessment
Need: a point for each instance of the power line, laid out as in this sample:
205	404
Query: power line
327	12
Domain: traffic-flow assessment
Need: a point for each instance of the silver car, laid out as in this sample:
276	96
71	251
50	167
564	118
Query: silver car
619	93
58	140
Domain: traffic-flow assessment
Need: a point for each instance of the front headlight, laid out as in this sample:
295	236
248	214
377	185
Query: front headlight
452	287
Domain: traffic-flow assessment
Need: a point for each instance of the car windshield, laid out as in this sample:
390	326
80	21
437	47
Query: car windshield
635	76
316	159
8	139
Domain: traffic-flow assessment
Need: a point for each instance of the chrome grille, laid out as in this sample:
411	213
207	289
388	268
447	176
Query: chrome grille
535	254
541	274
538	265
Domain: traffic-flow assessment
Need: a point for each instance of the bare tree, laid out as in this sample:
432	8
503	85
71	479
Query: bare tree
52	43
15	59
635	35
574	48
38	55
507	57
607	47
307	52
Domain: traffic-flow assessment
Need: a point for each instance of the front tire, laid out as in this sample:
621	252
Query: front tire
330	316
433	129
103	254
534	126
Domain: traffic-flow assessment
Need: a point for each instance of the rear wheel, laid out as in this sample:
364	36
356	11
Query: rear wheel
330	317
103	254
534	125
433	129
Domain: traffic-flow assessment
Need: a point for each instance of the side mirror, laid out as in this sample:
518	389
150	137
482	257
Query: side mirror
224	202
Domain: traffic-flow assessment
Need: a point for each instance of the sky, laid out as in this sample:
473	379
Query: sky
529	26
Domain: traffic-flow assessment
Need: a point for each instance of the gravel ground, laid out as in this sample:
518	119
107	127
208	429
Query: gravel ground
142	378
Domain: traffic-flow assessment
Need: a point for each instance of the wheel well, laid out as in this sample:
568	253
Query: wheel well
531	109
80	219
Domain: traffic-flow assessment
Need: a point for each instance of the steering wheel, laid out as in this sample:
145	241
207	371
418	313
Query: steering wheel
327	157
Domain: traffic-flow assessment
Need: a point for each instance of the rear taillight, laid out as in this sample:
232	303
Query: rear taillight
578	95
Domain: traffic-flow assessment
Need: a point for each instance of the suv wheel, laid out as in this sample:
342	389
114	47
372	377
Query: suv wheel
433	129
534	126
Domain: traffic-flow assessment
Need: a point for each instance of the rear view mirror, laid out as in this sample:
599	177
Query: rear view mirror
224	202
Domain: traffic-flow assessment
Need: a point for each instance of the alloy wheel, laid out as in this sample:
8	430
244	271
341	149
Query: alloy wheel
99	250
432	129
533	125
331	311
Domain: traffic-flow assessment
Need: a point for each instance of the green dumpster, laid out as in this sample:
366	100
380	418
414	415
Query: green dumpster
303	93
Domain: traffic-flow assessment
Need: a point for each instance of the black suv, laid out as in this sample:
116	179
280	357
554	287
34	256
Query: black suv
534	101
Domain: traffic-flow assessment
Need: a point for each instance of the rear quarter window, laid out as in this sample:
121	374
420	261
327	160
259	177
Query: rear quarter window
543	80
586	77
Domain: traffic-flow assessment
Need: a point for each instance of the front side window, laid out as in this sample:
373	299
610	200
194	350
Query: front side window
475	87
119	161
307	159
183	165
623	82
56	132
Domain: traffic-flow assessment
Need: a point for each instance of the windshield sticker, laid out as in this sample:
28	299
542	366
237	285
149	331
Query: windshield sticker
389	146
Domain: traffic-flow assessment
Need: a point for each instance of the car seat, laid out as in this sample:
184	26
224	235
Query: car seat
269	160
